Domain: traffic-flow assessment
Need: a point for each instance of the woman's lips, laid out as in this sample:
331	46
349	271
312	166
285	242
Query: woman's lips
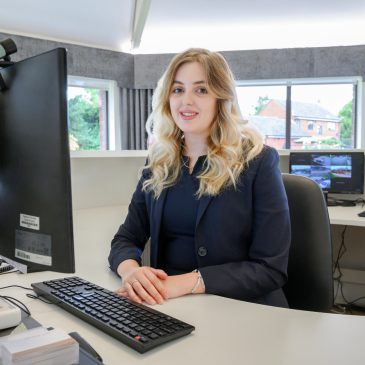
188	115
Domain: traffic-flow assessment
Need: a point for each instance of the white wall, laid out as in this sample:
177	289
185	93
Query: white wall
104	179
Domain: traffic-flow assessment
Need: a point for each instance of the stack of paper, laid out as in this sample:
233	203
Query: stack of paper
39	346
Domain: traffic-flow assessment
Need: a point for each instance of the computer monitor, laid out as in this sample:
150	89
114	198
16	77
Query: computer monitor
36	232
336	172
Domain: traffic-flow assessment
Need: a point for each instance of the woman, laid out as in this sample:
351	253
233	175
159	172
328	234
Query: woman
210	199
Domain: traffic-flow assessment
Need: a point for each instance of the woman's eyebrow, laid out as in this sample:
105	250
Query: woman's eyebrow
194	83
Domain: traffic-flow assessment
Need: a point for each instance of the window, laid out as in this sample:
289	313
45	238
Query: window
302	113
319	130
92	114
331	127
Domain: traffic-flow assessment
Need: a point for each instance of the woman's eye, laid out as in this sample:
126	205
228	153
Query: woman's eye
202	90
177	90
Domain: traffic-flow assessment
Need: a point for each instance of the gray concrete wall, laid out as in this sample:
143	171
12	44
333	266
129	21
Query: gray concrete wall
82	61
143	71
268	64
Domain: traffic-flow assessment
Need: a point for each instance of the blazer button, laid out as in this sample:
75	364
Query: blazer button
202	251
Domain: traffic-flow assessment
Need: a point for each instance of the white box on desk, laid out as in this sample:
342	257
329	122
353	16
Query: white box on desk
39	346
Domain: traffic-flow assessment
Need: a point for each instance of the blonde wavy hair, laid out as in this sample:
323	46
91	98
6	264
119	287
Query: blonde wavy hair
231	143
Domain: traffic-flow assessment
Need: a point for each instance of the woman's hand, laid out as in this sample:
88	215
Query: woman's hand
142	283
179	285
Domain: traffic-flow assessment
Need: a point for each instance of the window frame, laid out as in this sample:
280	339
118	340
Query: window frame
359	99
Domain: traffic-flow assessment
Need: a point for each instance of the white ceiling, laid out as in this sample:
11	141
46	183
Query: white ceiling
173	25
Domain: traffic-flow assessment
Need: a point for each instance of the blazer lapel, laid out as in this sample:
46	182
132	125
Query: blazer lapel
203	204
156	225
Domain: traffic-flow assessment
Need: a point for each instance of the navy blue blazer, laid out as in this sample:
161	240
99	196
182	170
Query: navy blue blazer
242	235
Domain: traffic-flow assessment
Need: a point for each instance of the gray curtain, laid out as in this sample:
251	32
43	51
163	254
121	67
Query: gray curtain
135	109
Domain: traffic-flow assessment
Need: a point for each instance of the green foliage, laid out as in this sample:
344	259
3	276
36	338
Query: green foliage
331	142
345	115
261	102
84	119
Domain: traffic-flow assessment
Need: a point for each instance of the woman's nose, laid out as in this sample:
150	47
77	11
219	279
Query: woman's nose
187	98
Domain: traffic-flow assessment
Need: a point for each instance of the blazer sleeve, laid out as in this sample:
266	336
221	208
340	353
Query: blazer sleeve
265	269
132	235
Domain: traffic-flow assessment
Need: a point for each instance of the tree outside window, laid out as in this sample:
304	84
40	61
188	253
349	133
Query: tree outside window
346	117
87	118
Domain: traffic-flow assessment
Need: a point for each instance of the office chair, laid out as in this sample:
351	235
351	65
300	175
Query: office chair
310	279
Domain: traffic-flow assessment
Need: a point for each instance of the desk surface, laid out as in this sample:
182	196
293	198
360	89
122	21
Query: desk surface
347	215
227	331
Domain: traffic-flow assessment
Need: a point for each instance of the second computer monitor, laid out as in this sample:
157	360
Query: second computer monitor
336	172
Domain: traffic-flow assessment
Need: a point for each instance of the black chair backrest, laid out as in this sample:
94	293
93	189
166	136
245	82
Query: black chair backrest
310	278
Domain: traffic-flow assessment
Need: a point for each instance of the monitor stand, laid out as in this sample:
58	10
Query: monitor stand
338	202
332	203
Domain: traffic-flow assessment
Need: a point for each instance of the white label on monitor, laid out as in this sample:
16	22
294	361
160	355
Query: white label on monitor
33	247
29	221
32	257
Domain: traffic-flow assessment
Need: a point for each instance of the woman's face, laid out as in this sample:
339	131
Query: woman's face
193	108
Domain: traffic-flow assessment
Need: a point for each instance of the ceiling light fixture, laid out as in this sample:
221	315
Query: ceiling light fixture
141	9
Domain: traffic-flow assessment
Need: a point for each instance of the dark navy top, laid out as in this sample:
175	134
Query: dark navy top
179	221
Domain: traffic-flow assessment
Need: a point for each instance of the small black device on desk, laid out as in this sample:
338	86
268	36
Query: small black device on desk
340	203
361	214
86	358
136	325
86	347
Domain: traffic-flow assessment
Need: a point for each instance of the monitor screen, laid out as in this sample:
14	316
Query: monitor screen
36	231
335	172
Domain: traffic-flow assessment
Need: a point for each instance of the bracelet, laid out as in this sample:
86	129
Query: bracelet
199	280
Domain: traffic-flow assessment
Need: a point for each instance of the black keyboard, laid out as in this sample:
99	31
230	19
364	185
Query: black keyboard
136	325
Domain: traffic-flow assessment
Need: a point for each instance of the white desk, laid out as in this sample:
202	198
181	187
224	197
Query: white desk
347	215
227	331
